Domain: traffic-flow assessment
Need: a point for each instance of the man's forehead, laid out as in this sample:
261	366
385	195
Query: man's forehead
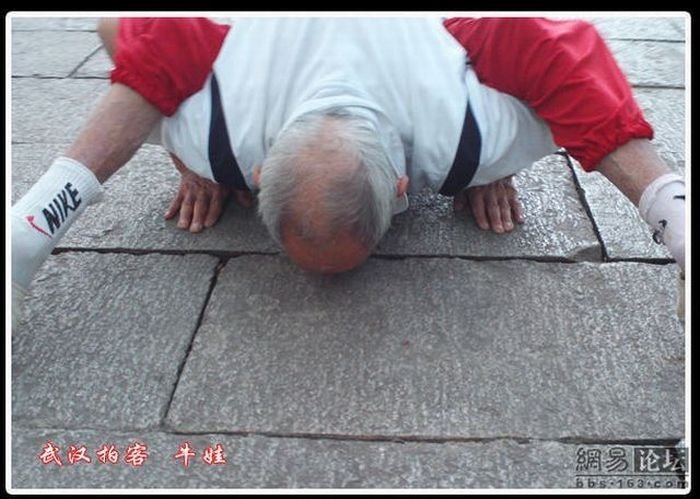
340	253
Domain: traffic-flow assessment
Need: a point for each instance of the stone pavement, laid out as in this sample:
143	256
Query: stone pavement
452	359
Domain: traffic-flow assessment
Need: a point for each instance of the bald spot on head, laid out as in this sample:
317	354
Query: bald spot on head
307	233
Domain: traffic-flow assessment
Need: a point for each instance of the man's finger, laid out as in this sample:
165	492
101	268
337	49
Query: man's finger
517	207
186	211
199	214
216	206
477	204
174	206
506	214
493	210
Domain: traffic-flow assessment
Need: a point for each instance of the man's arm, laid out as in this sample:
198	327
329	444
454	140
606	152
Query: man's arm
152	76
116	129
118	126
566	73
199	201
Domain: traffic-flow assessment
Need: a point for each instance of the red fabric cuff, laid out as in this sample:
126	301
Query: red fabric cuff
165	102
603	140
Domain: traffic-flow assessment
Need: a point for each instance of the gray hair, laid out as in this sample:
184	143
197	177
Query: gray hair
358	199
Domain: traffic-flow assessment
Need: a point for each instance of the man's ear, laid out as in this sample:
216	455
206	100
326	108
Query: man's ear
401	186
256	176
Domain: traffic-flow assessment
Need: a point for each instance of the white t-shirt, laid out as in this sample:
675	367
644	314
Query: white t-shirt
409	75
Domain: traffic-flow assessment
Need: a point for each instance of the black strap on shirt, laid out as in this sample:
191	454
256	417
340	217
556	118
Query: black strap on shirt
467	158
223	162
227	172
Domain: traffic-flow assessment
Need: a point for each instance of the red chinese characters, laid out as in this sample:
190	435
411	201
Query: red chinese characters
185	453
78	454
136	454
108	453
49	454
214	455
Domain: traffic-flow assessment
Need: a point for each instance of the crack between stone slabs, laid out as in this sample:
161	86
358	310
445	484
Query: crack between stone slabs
537	259
584	202
212	284
648	261
38	77
398	439
90	77
71	30
224	256
221	254
401	439
661	442
476	258
86	59
46	77
650	40
658	87
49	77
227	255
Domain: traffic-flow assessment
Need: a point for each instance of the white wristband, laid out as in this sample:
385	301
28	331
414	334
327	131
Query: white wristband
649	196
662	206
44	214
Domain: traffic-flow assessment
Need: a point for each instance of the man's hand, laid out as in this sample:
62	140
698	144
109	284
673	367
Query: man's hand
495	206
200	201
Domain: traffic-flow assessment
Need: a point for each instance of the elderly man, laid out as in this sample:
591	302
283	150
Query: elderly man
333	120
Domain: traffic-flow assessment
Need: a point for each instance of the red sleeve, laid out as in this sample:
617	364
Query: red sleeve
565	72
166	59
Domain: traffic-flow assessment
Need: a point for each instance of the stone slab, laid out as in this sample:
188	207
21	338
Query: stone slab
45	23
51	53
665	109
438	347
651	64
51	111
641	28
293	463
623	232
556	225
102	338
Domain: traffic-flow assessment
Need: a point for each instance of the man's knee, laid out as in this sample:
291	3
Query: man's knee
107	29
